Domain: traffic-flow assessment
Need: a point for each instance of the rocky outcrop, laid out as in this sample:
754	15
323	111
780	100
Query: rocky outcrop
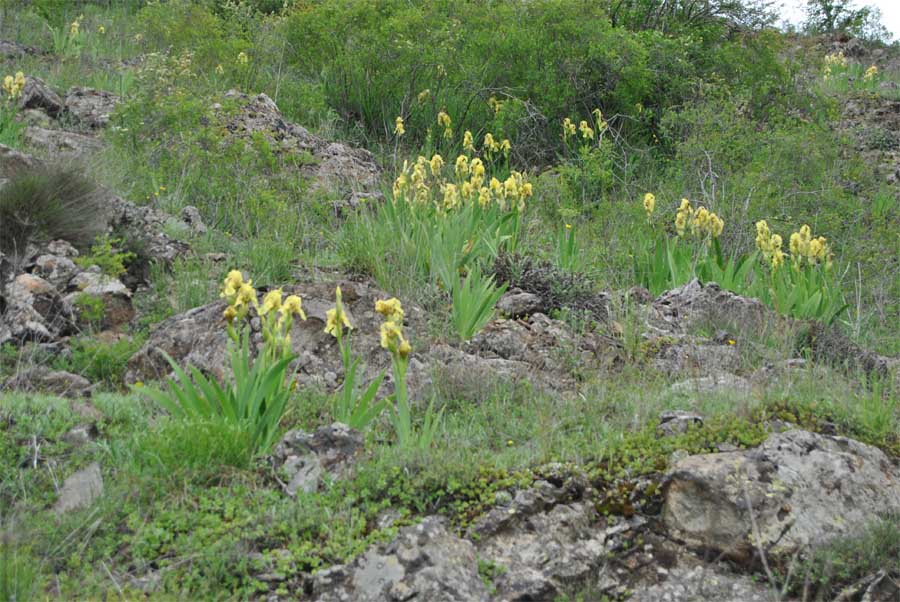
532	349
798	488
684	309
331	165
144	228
15	50
12	161
426	562
38	95
701	583
33	310
61	143
198	337
301	459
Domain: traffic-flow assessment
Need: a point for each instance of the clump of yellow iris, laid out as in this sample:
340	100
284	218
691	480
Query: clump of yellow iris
568	127
804	246
399	130
445	122
468	142
276	313
870	73
13	84
425	183
698	221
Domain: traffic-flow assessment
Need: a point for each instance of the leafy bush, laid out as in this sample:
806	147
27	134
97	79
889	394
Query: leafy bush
49	202
90	309
558	289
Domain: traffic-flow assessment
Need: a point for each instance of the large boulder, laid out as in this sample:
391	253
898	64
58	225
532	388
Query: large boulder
80	490
799	488
115	296
15	50
330	165
41	379
12	161
545	539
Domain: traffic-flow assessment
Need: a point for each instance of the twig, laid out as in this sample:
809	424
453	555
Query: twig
113	579
757	542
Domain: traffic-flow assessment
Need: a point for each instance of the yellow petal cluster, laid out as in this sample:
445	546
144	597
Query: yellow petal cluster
701	221
587	132
425	183
293	305
399	130
336	318
12	85
769	245
804	246
468	142
242	58
444	121
271	302
568	127
870	73
392	328
836	59
391	309
649	204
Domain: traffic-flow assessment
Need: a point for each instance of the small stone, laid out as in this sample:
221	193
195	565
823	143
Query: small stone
191	216
677	422
79	435
80	489
519	304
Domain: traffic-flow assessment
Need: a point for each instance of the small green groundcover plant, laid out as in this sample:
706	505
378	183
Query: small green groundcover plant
261	385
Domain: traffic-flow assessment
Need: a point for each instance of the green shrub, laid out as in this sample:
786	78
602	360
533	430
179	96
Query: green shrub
90	309
50	202
106	256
